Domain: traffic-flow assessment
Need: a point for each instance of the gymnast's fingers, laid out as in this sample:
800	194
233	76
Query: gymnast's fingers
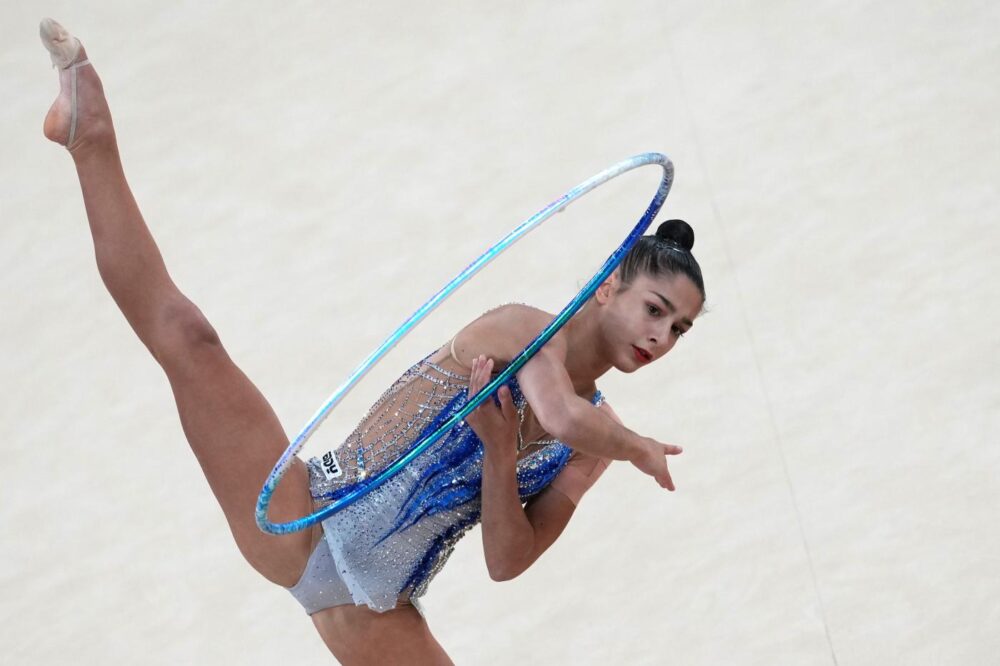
507	404
483	367
476	378
666	481
672	450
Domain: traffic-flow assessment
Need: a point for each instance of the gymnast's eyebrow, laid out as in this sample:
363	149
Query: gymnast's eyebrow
670	306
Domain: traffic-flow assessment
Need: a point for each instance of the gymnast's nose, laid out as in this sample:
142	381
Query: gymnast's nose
660	338
658	334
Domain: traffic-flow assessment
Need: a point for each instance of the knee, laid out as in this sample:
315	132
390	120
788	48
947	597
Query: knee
183	329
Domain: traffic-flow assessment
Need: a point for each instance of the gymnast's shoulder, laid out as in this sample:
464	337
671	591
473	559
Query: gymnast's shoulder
501	333
518	316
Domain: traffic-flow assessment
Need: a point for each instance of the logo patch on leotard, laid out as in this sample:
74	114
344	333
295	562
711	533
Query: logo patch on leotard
331	468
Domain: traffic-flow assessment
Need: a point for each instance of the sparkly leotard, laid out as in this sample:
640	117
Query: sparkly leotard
385	548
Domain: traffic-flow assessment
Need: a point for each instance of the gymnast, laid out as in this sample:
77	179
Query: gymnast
519	463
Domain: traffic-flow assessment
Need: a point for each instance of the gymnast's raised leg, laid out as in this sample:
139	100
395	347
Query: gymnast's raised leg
231	428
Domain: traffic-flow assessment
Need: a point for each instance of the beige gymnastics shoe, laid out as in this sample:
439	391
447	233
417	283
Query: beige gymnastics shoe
62	46
64	49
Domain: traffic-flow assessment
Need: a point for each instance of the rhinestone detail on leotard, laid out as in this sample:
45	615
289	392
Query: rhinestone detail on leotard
395	539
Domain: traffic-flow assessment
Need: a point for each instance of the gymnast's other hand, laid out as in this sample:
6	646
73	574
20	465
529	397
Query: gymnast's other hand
495	426
651	458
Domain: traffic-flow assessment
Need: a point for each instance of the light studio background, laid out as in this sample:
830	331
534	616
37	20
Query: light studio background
314	171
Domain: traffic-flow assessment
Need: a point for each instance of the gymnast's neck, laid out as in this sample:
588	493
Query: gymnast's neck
586	356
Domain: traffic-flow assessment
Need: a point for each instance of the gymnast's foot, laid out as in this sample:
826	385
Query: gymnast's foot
80	116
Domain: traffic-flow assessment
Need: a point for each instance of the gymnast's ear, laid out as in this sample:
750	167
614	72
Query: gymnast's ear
607	288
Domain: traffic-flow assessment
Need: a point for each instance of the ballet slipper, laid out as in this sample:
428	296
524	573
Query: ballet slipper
63	49
62	46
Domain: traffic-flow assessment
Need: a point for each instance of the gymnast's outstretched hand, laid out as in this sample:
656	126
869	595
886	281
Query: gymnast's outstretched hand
495	426
652	460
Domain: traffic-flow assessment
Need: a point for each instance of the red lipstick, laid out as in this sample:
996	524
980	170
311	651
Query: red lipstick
642	355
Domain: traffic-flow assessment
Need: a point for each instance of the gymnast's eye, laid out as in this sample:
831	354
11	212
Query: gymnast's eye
678	332
652	309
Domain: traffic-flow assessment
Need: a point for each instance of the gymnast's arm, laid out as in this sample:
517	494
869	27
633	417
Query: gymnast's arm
547	386
513	536
549	511
573	420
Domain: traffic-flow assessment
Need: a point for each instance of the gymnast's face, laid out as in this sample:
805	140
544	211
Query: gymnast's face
644	320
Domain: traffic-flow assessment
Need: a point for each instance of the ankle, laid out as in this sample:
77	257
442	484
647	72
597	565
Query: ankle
95	147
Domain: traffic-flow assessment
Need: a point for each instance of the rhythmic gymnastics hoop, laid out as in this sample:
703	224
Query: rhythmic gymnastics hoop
264	499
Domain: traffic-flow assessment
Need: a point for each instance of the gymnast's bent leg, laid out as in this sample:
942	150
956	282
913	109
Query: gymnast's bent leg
231	428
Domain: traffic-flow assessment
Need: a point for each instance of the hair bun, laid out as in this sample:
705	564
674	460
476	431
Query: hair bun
676	231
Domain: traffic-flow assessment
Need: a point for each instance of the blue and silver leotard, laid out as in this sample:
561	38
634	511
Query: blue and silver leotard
385	548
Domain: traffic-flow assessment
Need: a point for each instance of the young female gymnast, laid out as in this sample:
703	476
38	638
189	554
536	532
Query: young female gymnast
359	573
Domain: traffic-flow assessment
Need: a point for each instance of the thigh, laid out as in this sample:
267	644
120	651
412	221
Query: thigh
237	439
359	635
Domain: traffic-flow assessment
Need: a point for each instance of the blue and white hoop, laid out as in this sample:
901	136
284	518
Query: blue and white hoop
264	499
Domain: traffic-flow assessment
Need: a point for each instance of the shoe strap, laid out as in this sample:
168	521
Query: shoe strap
72	107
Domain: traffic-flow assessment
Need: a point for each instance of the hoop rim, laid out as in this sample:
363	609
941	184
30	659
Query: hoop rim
368	485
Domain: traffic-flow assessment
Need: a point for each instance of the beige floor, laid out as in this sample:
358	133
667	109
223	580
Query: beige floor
313	173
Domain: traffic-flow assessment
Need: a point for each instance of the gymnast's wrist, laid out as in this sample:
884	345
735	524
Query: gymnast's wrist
634	446
500	454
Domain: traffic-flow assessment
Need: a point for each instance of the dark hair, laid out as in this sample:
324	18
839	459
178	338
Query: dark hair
667	251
